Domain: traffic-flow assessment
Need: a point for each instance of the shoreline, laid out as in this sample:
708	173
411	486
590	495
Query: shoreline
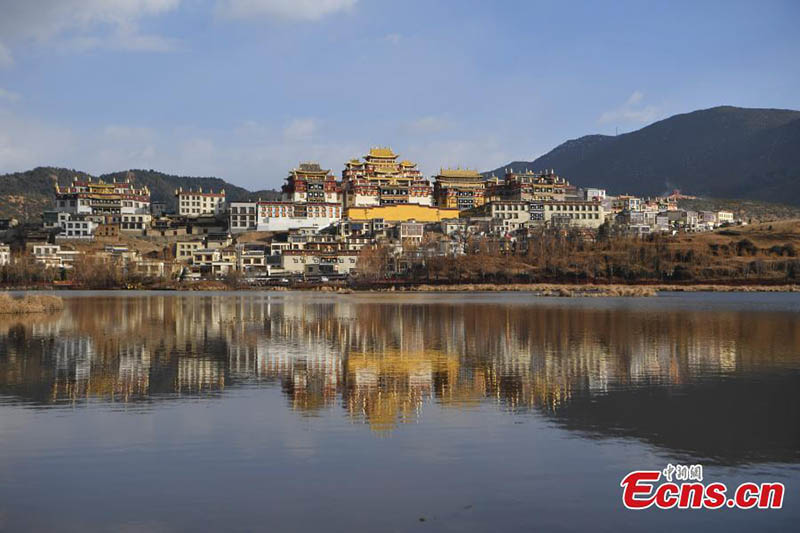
594	288
540	289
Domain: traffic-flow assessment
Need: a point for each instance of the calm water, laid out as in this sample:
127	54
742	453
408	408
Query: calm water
302	412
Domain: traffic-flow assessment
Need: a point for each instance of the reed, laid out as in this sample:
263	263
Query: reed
30	303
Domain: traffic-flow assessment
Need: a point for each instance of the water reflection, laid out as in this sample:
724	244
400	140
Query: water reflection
721	384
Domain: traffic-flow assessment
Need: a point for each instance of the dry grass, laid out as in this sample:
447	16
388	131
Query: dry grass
763	234
542	289
258	237
30	303
597	290
726	288
145	245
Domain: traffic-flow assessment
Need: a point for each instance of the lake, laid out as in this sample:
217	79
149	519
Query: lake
299	411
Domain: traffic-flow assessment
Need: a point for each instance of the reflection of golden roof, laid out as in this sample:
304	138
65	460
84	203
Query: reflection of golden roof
383	413
397	362
388	386
381	152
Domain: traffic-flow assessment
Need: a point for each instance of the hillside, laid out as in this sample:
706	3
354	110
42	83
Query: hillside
747	210
24	195
723	152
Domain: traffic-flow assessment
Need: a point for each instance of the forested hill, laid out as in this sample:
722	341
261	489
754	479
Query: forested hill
24	195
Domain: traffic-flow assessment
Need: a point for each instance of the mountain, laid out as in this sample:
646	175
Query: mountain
724	152
24	195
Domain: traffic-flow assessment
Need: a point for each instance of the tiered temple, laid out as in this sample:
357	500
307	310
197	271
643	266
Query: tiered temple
459	188
381	180
527	185
101	198
311	199
310	183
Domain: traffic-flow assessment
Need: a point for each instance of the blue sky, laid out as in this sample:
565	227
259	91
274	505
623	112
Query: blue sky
245	89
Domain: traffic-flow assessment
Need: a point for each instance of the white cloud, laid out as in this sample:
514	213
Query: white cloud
198	149
26	143
46	19
79	25
8	95
127	37
288	9
135	146
253	154
300	129
128	133
480	152
633	111
393	38
427	125
82	24
635	98
6	59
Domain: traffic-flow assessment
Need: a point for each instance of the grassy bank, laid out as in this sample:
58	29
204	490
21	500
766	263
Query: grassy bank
554	289
34	303
30	303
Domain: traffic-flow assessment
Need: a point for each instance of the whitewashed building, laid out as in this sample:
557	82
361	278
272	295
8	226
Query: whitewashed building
298	262
724	217
197	203
185	249
51	255
77	228
243	216
134	223
283	216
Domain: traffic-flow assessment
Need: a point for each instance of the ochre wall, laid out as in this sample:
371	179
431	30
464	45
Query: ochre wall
404	212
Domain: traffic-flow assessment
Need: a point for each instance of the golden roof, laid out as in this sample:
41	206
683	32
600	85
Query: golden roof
310	167
407	163
459	173
381	152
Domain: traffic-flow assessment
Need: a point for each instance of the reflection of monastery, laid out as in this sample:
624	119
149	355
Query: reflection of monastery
380	360
385	387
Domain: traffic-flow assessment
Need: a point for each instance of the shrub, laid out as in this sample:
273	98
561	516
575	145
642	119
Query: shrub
746	247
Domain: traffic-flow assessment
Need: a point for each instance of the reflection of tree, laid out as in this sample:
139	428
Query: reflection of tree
382	358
